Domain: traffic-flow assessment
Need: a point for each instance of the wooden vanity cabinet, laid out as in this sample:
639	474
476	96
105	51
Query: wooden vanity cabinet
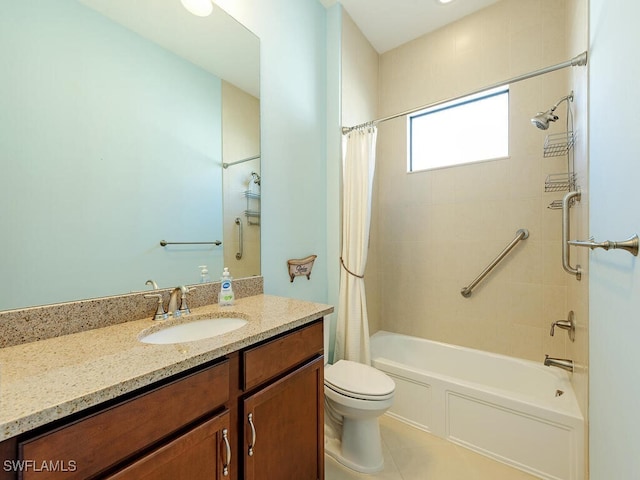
163	419
8	454
263	406
282	410
283	427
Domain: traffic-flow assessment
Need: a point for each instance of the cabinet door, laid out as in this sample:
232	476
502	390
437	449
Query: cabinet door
201	453
283	427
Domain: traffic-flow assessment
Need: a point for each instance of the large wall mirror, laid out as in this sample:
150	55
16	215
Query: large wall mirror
117	120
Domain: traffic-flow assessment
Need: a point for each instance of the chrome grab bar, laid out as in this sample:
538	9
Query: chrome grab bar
521	234
240	239
566	205
164	243
227	165
630	244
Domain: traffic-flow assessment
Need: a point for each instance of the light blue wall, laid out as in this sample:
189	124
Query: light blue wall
293	91
334	165
101	159
614	293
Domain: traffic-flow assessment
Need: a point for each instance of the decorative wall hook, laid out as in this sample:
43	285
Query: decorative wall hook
301	266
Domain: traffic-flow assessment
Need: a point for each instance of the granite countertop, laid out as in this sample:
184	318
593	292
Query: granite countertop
49	379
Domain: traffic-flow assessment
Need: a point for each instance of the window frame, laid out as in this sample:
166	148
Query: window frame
461	101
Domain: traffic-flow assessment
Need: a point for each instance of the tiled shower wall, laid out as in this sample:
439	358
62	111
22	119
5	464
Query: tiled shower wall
434	231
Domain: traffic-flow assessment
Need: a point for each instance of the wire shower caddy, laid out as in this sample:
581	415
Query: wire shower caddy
558	144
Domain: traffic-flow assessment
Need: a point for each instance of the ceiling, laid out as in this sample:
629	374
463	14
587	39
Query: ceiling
386	24
390	23
216	43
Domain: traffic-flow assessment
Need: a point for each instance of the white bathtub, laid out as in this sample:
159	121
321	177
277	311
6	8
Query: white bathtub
503	407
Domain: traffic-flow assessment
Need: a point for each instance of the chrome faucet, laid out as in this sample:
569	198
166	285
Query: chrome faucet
173	302
172	309
569	325
160	313
563	363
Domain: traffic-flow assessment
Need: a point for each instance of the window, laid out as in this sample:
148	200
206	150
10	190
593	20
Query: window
471	129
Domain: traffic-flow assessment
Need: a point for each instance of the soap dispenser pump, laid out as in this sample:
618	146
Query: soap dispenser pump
226	296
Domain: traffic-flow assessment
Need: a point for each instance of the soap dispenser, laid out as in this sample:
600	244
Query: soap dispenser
226	296
204	274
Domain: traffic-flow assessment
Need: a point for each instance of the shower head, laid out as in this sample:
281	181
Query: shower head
542	119
256	178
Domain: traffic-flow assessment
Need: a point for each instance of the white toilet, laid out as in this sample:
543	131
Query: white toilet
355	396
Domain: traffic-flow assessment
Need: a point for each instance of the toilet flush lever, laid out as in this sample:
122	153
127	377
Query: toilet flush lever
569	325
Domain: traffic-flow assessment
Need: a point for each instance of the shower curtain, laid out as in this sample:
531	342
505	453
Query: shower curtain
358	165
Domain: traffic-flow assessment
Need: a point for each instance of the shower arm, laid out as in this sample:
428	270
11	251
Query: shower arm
568	98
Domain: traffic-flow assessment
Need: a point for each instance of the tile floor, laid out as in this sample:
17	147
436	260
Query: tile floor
411	454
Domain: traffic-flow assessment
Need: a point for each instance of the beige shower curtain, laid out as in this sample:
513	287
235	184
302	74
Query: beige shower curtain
358	165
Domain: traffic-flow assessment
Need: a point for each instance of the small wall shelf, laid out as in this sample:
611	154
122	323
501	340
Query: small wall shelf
558	144
559	182
253	207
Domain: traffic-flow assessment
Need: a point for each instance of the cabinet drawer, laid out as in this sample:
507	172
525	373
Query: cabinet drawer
101	440
276	356
198	454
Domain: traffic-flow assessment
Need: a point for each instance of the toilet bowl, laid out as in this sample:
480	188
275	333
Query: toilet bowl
357	395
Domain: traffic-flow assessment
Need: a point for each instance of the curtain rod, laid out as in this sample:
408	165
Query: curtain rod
225	165
578	60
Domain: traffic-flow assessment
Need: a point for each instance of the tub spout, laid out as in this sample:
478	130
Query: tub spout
563	363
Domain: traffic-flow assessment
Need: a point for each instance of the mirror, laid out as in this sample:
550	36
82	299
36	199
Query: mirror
115	120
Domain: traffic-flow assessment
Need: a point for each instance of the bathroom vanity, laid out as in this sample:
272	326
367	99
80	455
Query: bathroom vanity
248	405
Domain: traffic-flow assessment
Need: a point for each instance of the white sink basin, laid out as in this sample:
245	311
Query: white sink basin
194	330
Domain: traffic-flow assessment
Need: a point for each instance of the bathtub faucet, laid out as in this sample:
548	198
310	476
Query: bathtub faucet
564	363
569	325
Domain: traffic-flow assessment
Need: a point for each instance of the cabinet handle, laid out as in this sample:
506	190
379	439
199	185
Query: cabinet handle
225	466
253	434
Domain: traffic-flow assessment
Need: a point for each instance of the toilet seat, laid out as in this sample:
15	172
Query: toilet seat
359	381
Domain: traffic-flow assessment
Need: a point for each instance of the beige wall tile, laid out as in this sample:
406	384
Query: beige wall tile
437	230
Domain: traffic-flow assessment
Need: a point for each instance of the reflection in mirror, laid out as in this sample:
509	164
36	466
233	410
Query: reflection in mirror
241	180
113	132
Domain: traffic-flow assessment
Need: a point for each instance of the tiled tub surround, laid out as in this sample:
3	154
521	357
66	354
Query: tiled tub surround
47	321
50	379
